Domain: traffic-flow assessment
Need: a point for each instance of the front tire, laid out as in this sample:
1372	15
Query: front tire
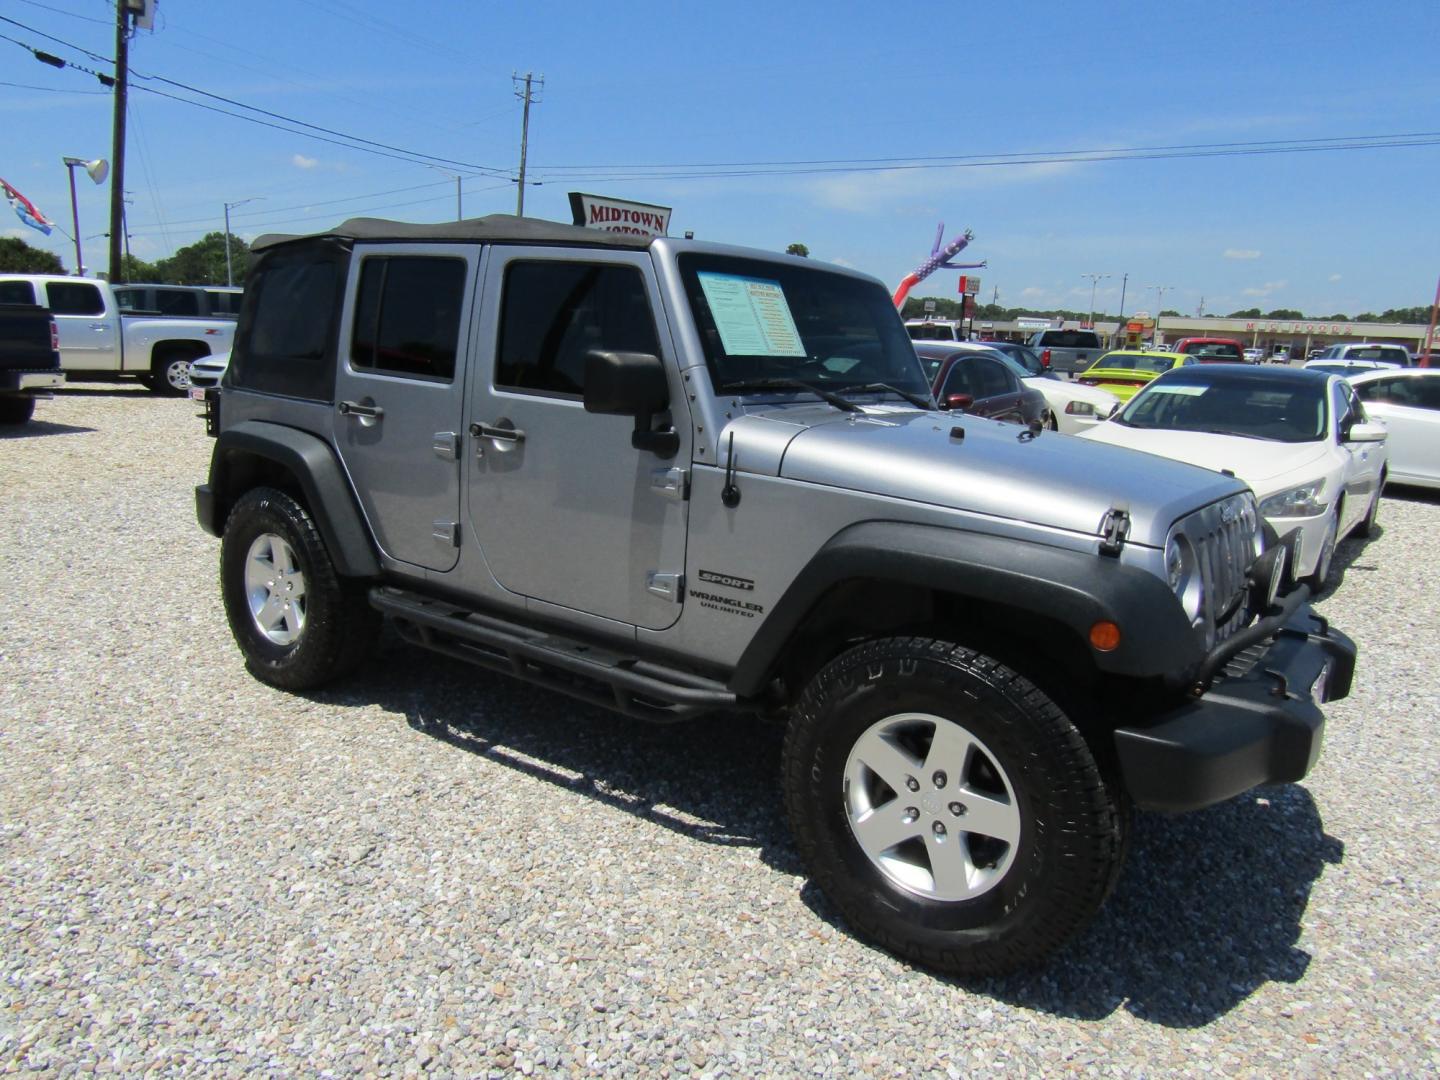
948	807
298	623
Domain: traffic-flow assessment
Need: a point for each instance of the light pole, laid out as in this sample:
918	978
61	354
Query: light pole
229	273
97	171
459	210
1160	291
1095	279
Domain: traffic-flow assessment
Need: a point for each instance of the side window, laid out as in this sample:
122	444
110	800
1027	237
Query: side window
177	302
74	298
286	339
554	313
407	316
128	300
992	378
960	380
17	292
224	303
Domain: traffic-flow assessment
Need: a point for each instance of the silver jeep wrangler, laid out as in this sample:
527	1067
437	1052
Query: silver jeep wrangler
684	480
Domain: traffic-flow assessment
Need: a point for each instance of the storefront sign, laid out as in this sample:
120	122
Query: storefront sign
617	215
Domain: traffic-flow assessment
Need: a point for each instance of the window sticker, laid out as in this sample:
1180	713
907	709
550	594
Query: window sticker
752	315
1180	389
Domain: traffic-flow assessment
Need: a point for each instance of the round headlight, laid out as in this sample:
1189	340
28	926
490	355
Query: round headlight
1180	571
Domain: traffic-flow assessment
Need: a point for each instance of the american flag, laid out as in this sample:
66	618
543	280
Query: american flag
25	210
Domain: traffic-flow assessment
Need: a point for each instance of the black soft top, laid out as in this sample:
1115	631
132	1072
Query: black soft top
493	228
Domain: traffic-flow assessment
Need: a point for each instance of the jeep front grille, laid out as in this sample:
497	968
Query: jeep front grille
1224	539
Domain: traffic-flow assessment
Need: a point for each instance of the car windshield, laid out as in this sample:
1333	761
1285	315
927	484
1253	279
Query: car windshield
1280	411
760	320
1135	362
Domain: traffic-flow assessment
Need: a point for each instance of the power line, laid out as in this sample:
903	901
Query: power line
411	155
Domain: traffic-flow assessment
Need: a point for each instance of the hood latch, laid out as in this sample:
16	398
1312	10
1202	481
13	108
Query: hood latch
1114	529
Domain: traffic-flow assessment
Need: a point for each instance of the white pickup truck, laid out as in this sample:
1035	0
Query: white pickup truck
96	340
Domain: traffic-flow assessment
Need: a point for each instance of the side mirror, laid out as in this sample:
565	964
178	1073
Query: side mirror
1366	432
959	402
631	384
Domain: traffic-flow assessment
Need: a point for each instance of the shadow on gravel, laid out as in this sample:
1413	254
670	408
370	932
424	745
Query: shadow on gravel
1207	911
36	428
714	782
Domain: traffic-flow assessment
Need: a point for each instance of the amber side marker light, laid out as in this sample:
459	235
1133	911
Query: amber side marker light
1105	636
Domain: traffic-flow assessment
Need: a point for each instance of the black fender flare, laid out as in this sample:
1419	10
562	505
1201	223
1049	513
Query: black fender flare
1074	588
316	469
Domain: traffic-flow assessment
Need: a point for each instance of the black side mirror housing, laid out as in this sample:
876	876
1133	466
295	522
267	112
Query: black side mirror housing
631	384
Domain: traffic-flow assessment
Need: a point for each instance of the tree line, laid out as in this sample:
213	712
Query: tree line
946	308
200	263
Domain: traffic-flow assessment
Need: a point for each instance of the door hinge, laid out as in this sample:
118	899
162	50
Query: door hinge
446	444
671	483
446	532
670	586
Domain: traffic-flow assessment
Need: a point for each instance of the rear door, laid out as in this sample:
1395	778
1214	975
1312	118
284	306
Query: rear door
88	329
399	392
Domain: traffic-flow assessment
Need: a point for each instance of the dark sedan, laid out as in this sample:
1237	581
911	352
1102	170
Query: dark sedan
975	379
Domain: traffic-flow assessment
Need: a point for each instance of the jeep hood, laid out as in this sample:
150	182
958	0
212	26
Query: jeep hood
973	464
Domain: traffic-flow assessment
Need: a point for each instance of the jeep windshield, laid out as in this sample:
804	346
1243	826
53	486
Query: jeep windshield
770	327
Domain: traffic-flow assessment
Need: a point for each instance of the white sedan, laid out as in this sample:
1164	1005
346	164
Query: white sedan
1408	403
1073	407
1300	439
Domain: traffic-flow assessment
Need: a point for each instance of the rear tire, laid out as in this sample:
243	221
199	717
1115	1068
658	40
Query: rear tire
170	374
297	622
16	409
948	807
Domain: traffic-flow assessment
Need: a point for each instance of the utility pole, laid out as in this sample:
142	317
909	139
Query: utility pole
229	273
527	96
117	148
1124	281
1160	291
1095	279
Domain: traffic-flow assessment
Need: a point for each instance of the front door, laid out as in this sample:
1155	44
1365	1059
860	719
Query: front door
567	511
399	393
87	330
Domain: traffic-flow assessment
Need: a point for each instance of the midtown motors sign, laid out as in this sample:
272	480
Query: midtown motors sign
617	215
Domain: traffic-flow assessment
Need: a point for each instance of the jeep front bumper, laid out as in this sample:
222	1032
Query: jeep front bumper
1259	726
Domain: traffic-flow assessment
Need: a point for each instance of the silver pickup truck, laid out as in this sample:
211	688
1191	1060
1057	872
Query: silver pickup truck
98	341
1066	351
688	481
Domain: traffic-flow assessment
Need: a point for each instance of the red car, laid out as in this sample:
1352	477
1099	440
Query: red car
976	380
1212	350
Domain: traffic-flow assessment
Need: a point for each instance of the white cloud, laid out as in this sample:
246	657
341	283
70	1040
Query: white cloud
1033	292
888	188
1241	253
300	161
1266	289
1333	277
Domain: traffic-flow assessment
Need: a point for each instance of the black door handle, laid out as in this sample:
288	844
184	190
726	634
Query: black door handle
354	408
500	434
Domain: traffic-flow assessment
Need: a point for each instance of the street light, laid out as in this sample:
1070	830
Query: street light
229	274
1095	279
1160	291
97	170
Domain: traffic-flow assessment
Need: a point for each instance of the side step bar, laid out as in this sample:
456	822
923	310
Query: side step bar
612	680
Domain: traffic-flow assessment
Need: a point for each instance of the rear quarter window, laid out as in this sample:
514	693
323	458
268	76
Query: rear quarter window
285	343
1070	339
17	292
74	298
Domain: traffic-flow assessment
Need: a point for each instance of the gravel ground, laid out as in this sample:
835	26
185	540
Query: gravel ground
432	869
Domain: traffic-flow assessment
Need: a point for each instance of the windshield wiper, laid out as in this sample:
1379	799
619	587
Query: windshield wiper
791	384
870	388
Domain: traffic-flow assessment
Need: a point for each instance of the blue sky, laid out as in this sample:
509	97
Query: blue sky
632	86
